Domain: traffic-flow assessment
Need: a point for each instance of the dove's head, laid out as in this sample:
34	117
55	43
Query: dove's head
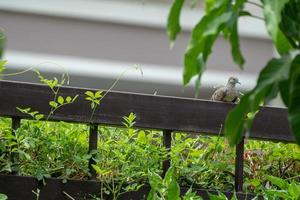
233	80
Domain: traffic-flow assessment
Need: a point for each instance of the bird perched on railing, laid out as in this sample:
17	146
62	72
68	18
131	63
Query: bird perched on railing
228	93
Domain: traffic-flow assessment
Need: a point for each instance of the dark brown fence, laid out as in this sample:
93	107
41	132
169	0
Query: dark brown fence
154	112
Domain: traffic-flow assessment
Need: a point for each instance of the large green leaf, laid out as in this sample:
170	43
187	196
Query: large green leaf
290	25
221	15
173	23
232	34
294	96
155	181
281	183
235	46
173	190
272	14
284	88
203	36
237	122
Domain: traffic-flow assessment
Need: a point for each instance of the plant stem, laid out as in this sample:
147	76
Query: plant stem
255	4
258	17
112	86
69	196
18	73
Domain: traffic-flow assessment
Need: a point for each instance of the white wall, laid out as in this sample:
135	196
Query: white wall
96	40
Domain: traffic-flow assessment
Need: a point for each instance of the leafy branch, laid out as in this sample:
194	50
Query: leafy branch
280	75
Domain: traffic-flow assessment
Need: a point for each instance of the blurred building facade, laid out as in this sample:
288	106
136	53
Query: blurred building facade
96	40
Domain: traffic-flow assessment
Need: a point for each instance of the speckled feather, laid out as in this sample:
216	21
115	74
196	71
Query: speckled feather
228	93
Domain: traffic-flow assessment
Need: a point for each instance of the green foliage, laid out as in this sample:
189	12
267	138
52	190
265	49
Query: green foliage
45	150
121	164
202	161
220	16
167	188
94	98
34	114
286	190
60	150
280	75
275	72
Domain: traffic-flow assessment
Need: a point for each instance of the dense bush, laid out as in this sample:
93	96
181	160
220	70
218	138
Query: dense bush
126	156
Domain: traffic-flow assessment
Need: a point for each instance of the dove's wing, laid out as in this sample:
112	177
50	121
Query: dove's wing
219	94
218	86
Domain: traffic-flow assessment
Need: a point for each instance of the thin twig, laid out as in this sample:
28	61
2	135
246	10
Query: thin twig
69	196
113	85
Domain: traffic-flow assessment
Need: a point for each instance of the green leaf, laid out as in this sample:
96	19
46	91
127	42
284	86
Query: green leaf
190	195
98	94
294	96
173	23
284	88
141	137
220	196
203	36
24	110
276	71
289	24
53	104
100	171
39	116
2	65
272	13
282	184
3	197
69	99
173	191
278	193
209	5
212	4
90	94
235	120
169	175
235	46
294	190
234	197
60	100
152	195
155	181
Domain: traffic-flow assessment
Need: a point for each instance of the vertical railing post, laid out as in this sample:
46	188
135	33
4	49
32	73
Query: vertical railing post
15	124
93	140
167	144
239	166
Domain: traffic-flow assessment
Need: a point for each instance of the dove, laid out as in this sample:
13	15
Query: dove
228	93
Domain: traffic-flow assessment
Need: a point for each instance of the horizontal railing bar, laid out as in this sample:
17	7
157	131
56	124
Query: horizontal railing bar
154	112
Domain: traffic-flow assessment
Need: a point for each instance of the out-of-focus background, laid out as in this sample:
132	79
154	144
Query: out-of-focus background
96	40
